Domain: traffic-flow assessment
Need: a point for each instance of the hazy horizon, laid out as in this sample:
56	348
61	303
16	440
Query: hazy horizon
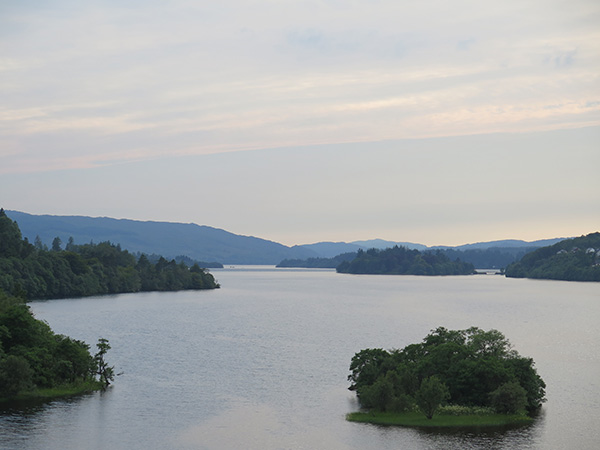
438	122
368	239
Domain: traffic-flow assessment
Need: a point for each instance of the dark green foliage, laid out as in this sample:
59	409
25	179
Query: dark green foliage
387	394
379	395
509	398
190	262
73	359
11	244
575	259
526	374
15	375
488	258
402	261
31	355
56	243
318	263
103	370
366	367
471	364
33	272
431	395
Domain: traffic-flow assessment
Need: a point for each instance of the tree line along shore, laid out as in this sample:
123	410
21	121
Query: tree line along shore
32	271
34	361
575	259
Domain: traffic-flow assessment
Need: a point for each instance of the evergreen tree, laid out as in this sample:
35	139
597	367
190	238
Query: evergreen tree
56	244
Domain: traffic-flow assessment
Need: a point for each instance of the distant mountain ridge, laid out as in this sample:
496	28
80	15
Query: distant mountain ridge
331	249
169	239
506	243
383	244
205	243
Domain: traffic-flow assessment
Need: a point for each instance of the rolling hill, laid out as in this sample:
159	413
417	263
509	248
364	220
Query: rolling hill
205	243
198	242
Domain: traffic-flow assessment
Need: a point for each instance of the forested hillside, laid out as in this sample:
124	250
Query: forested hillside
474	367
402	261
488	258
575	259
35	272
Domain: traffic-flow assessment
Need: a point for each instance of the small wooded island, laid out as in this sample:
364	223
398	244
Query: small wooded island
402	261
453	378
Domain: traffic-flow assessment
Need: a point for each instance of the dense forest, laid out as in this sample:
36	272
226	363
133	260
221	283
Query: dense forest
402	261
575	259
486	258
33	358
318	263
153	258
33	271
472	368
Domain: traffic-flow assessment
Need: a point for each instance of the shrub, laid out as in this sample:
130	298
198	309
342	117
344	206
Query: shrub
462	410
431	395
509	398
15	375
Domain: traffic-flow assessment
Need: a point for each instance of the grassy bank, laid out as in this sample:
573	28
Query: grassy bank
57	392
416	419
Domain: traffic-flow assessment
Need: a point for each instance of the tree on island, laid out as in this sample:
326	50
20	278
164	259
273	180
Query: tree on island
403	261
471	367
103	370
431	395
509	398
319	263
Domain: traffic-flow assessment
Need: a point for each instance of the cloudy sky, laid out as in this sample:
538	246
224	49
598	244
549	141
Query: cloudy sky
438	121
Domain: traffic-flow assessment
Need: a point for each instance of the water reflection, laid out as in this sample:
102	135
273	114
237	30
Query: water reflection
497	438
467	438
257	427
262	362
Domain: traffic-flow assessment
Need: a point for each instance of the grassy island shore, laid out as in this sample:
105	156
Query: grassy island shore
415	419
67	390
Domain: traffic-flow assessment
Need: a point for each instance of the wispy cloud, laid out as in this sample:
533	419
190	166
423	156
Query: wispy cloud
211	77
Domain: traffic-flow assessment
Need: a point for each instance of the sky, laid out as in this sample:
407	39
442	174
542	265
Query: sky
441	122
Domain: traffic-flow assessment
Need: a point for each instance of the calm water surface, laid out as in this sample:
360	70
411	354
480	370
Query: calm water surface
262	362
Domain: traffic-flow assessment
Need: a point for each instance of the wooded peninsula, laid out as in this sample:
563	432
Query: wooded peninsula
32	271
36	362
575	259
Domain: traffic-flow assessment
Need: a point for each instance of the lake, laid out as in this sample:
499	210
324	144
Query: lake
262	363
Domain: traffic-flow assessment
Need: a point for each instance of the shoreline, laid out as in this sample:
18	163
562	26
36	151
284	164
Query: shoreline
57	392
415	419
